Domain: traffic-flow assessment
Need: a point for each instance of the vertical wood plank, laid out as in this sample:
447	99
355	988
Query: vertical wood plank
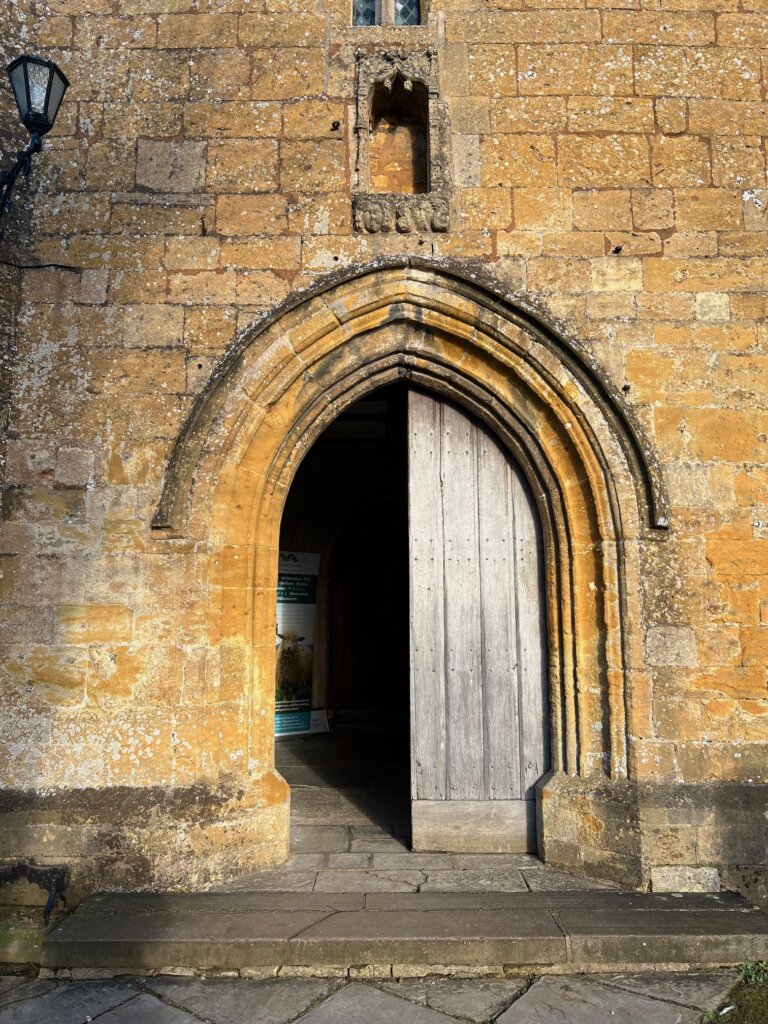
499	626
534	713
427	585
463	667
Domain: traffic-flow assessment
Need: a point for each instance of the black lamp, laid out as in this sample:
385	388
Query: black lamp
39	87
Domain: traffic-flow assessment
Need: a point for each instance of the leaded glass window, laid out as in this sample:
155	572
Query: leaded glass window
401	13
407	12
364	12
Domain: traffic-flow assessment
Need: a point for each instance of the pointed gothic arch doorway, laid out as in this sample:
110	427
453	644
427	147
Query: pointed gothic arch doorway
595	482
430	648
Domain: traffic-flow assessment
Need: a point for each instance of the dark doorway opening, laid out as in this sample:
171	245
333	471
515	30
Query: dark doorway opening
349	504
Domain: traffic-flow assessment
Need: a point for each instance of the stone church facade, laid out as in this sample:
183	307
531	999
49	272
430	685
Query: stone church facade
251	215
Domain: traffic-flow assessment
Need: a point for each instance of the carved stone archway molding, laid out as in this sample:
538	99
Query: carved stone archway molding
595	479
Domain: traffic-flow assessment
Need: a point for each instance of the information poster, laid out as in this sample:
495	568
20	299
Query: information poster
295	660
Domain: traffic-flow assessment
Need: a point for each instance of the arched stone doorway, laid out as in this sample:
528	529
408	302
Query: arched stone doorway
429	637
593	479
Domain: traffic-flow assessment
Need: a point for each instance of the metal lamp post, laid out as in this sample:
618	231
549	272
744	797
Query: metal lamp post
39	88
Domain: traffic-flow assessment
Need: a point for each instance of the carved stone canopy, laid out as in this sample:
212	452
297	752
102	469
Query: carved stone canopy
385	211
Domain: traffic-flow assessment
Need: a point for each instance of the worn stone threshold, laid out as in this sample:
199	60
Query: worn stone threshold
513	930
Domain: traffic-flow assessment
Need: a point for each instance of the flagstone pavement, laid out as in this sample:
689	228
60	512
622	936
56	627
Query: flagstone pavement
655	998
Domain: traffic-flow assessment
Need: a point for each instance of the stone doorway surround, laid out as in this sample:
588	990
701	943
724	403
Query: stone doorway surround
594	479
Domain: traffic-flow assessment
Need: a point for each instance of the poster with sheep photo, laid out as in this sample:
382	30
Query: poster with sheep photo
296	604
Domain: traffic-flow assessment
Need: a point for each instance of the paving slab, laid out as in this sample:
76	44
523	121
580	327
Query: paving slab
664	936
372	831
494	860
546	880
11	981
213	903
238	1001
377	844
368	881
311	805
279	880
438	937
145	1009
354	860
319	838
562	900
702	990
68	1003
500	879
472	999
189	940
360	1003
407	859
579	1001
28	989
307	861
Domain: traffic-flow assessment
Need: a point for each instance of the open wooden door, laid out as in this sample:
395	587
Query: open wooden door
479	709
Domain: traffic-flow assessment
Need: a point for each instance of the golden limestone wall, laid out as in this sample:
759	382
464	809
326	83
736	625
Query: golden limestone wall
607	170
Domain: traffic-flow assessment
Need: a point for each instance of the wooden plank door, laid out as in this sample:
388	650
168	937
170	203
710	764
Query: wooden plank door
479	710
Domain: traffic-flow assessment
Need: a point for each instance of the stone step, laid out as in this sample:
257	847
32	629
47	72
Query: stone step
569	931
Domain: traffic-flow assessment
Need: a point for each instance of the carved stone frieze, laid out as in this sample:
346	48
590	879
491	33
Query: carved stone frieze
387	211
381	212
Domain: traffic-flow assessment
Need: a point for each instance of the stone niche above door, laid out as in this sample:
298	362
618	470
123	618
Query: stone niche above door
403	178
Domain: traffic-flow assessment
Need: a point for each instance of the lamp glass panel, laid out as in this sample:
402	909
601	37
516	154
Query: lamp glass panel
38	86
19	86
58	86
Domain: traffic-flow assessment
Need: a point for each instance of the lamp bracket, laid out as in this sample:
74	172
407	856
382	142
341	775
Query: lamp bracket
23	165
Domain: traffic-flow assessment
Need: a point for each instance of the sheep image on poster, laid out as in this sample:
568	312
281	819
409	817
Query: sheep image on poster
295	641
293	676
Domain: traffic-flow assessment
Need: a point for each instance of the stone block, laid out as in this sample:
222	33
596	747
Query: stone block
74	467
486	207
590	70
608	161
613	274
492	71
742	30
188	31
671	114
610	114
314	119
242	165
318	166
203	287
524	27
544	209
288	73
679	878
677	161
517	160
719	73
170	166
231	120
93	286
94	623
667	29
737	162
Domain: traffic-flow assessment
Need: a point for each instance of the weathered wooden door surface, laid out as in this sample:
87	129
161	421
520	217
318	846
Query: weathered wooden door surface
479	711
